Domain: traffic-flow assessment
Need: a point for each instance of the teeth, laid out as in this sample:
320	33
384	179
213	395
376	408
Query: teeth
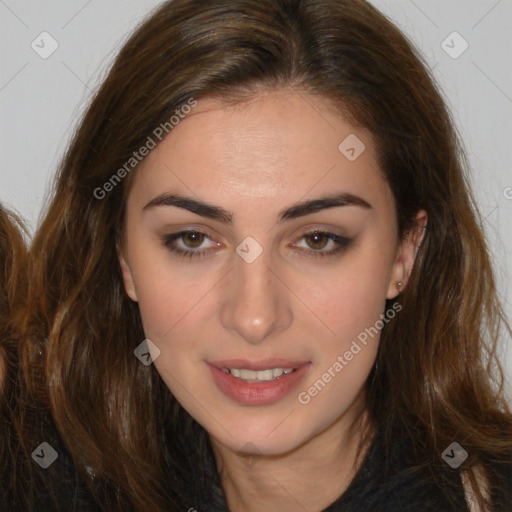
259	375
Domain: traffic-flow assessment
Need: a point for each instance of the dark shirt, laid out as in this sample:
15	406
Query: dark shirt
403	490
370	491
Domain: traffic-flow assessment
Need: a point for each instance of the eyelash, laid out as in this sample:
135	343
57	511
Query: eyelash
343	244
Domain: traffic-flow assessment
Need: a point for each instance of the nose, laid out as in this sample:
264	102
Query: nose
256	301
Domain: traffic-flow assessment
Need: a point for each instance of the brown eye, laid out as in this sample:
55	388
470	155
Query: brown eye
193	239
317	240
190	244
322	243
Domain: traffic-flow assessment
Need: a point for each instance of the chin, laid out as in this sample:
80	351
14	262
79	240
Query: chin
263	438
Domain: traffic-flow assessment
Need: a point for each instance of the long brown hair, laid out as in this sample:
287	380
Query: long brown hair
13	260
437	376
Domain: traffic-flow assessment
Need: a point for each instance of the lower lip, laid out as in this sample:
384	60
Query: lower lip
257	393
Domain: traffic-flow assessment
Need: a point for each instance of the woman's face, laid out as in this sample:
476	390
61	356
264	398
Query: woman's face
221	254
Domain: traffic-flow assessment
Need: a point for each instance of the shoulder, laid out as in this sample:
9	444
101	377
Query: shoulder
389	480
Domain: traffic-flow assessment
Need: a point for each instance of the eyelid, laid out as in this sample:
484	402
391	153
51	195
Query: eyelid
321	229
184	228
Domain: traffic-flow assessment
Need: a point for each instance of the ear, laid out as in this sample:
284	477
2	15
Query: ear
406	255
127	273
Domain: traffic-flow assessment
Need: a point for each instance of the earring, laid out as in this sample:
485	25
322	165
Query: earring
399	286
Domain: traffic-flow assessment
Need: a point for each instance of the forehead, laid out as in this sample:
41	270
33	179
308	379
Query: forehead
279	146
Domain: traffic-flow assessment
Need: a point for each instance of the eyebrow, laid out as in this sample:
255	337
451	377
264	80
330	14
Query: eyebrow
293	212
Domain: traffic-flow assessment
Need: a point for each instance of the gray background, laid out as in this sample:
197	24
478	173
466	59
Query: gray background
42	99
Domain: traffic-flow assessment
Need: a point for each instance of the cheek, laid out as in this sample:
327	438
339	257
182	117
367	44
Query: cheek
351	297
165	303
350	305
171	296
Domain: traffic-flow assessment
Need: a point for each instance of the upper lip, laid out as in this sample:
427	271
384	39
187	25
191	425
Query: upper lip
262	364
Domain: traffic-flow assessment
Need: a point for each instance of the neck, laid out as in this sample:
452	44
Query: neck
310	477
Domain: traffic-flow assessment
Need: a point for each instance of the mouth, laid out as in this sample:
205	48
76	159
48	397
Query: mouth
257	382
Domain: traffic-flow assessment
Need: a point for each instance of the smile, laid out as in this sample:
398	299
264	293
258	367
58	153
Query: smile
258	383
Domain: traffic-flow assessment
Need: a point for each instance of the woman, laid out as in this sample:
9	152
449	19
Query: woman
261	283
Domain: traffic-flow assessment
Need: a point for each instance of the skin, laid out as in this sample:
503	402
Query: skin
254	160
